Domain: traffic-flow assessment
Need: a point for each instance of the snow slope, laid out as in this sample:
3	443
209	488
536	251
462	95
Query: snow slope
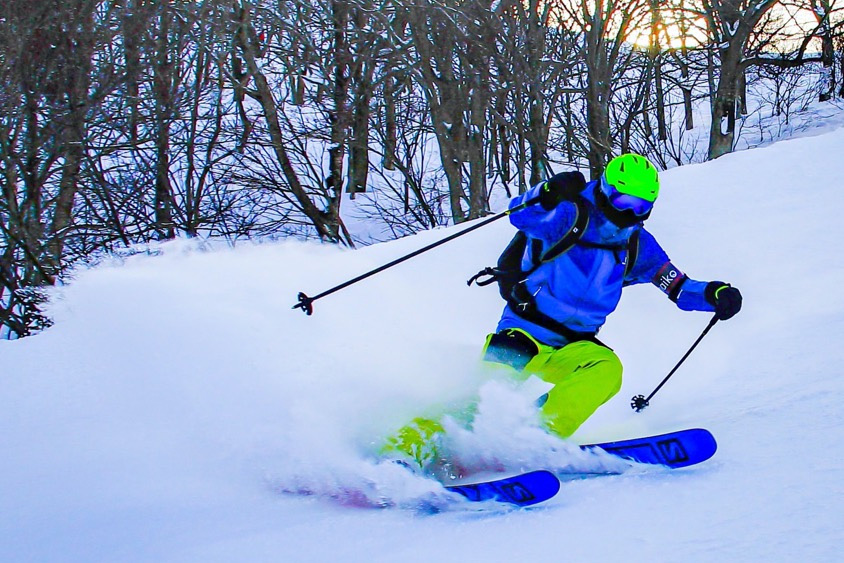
179	394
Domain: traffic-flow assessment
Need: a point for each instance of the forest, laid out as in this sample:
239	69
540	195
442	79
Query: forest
126	122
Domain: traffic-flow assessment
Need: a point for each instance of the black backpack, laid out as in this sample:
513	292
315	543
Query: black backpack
508	271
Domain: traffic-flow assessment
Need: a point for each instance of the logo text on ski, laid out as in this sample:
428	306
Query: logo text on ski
517	493
672	451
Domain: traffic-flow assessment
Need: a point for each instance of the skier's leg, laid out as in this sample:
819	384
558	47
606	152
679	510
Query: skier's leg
508	352
417	442
505	354
585	375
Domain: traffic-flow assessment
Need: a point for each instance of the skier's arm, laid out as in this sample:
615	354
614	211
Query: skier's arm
653	265
554	214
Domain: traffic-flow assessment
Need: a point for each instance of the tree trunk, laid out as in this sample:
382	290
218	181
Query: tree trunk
598	127
327	223
828	57
80	48
537	139
480	97
723	127
163	79
538	127
477	159
390	122
359	142
685	88
841	71
32	227
656	62
730	26
662	127
135	22
502	140
569	128
599	66
339	116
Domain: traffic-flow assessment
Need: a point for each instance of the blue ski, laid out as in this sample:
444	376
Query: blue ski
675	449
522	490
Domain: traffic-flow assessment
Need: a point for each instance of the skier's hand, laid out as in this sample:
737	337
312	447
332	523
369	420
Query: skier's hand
564	186
725	298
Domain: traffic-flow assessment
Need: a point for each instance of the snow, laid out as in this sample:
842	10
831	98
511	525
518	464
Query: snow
179	394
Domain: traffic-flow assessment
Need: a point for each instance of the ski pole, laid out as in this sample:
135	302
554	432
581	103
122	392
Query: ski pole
306	303
640	402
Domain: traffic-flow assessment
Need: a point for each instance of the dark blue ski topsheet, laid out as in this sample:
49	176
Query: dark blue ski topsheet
522	490
675	449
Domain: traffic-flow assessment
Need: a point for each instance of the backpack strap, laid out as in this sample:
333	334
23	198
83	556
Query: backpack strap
523	304
572	237
632	251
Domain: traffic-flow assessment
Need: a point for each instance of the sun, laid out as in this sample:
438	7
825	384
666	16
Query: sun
672	34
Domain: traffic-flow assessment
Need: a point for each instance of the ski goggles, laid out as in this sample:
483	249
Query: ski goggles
625	202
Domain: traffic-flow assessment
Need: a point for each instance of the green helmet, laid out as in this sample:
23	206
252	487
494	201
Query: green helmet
633	174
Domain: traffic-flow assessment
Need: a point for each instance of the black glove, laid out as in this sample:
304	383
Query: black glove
565	186
725	298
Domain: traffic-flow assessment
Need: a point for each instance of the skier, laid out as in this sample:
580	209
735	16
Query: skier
584	243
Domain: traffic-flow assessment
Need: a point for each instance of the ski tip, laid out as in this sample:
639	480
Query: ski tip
698	444
545	478
704	440
521	490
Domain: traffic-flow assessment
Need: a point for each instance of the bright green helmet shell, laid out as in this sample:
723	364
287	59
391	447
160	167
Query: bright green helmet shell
633	174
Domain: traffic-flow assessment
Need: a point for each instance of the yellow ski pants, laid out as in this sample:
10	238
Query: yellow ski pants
584	375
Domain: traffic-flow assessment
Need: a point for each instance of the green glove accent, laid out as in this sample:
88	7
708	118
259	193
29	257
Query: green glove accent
726	299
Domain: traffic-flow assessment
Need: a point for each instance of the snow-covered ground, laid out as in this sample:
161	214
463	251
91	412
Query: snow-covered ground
179	395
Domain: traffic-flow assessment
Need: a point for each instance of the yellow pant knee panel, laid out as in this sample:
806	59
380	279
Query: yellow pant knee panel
584	378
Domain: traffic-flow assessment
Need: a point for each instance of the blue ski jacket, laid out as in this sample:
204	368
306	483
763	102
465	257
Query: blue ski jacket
583	285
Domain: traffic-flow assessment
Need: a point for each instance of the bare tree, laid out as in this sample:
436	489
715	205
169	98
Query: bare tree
453	44
655	58
744	33
165	89
537	57
45	60
127	121
682	59
327	221
840	42
606	27
822	10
